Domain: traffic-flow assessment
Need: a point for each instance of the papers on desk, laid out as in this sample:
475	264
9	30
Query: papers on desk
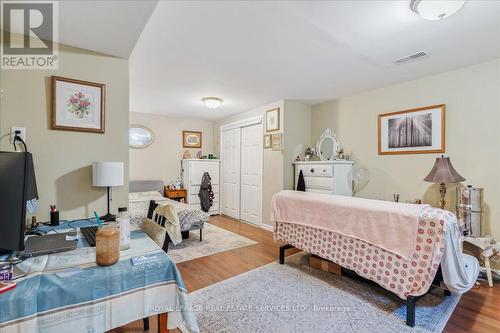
144	259
70	238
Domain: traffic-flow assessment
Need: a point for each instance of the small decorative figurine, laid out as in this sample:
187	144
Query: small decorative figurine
186	155
340	153
178	183
308	154
297	159
199	154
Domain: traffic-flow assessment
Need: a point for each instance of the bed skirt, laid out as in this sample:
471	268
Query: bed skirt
403	277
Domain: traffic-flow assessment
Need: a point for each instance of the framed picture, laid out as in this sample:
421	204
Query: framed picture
276	141
191	139
415	131
77	105
267	141
273	120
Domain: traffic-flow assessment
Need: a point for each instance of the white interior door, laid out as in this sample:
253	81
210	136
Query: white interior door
231	172
251	173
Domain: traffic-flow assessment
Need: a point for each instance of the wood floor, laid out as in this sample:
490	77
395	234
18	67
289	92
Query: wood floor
477	312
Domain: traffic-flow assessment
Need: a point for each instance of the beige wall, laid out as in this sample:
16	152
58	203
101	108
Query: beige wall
297	137
472	98
273	160
162	159
63	159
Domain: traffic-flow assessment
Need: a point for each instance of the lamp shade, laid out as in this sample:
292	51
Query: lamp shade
107	174
443	172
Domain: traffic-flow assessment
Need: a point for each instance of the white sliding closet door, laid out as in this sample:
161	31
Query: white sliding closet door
251	173
231	171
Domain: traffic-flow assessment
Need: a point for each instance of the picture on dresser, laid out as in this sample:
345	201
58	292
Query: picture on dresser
77	105
191	139
415	131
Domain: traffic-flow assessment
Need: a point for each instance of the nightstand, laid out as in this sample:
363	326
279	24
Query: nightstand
178	195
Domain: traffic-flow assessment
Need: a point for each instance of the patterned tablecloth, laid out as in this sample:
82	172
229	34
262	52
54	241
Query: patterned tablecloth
68	292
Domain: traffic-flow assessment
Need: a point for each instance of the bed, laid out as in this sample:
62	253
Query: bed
141	192
408	275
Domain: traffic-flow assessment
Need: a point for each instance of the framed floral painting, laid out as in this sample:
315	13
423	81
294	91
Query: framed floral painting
77	105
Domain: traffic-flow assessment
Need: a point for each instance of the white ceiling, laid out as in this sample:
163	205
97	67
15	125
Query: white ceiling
253	53
106	26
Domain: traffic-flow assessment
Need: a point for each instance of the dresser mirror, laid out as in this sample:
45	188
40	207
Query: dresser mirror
139	136
327	146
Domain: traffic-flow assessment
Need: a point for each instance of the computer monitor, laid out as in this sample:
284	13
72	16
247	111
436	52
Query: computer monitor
17	186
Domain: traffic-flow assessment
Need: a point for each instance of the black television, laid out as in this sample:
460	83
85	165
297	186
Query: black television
17	186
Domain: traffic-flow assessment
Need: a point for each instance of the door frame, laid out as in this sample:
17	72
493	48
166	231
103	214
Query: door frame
240	124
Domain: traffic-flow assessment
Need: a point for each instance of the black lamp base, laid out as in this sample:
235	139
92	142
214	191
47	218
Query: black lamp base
108	217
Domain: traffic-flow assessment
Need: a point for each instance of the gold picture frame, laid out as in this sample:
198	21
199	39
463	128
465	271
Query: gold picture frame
273	120
267	141
191	139
413	131
276	141
77	105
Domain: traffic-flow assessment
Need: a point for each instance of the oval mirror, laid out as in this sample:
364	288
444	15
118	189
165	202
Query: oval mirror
139	136
327	145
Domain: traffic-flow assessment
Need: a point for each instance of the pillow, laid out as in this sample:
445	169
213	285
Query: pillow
155	231
144	196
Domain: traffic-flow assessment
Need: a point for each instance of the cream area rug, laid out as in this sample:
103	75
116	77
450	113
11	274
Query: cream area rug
215	240
297	298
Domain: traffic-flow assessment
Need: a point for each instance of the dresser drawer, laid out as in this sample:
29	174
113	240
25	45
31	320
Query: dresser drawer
173	194
317	170
319	182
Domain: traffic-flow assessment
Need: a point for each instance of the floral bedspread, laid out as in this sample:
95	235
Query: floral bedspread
392	272
189	217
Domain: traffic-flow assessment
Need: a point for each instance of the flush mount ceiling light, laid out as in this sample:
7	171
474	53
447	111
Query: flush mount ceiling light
434	10
212	102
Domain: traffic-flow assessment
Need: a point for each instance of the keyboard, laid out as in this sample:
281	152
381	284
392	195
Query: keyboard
89	234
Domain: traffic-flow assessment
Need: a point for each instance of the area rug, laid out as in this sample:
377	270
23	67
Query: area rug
297	298
215	240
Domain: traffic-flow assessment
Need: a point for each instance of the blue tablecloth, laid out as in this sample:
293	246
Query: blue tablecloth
68	292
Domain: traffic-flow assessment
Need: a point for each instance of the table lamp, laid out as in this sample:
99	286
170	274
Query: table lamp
443	172
107	174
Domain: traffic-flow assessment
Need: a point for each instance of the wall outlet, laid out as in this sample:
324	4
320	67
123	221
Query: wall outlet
13	133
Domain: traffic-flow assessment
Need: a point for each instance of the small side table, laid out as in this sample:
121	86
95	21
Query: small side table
487	247
178	195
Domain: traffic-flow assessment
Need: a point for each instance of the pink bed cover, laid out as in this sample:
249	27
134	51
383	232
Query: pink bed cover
388	225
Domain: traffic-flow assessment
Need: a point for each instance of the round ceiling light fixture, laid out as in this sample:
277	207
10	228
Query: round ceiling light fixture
212	102
434	10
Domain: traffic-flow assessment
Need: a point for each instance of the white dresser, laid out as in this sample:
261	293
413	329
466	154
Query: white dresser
328	177
192	172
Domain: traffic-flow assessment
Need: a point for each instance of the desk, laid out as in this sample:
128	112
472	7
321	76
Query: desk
68	292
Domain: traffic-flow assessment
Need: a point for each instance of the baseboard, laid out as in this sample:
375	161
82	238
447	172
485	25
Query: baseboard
267	227
262	226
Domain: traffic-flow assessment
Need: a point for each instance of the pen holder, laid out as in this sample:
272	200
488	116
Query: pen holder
54	218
